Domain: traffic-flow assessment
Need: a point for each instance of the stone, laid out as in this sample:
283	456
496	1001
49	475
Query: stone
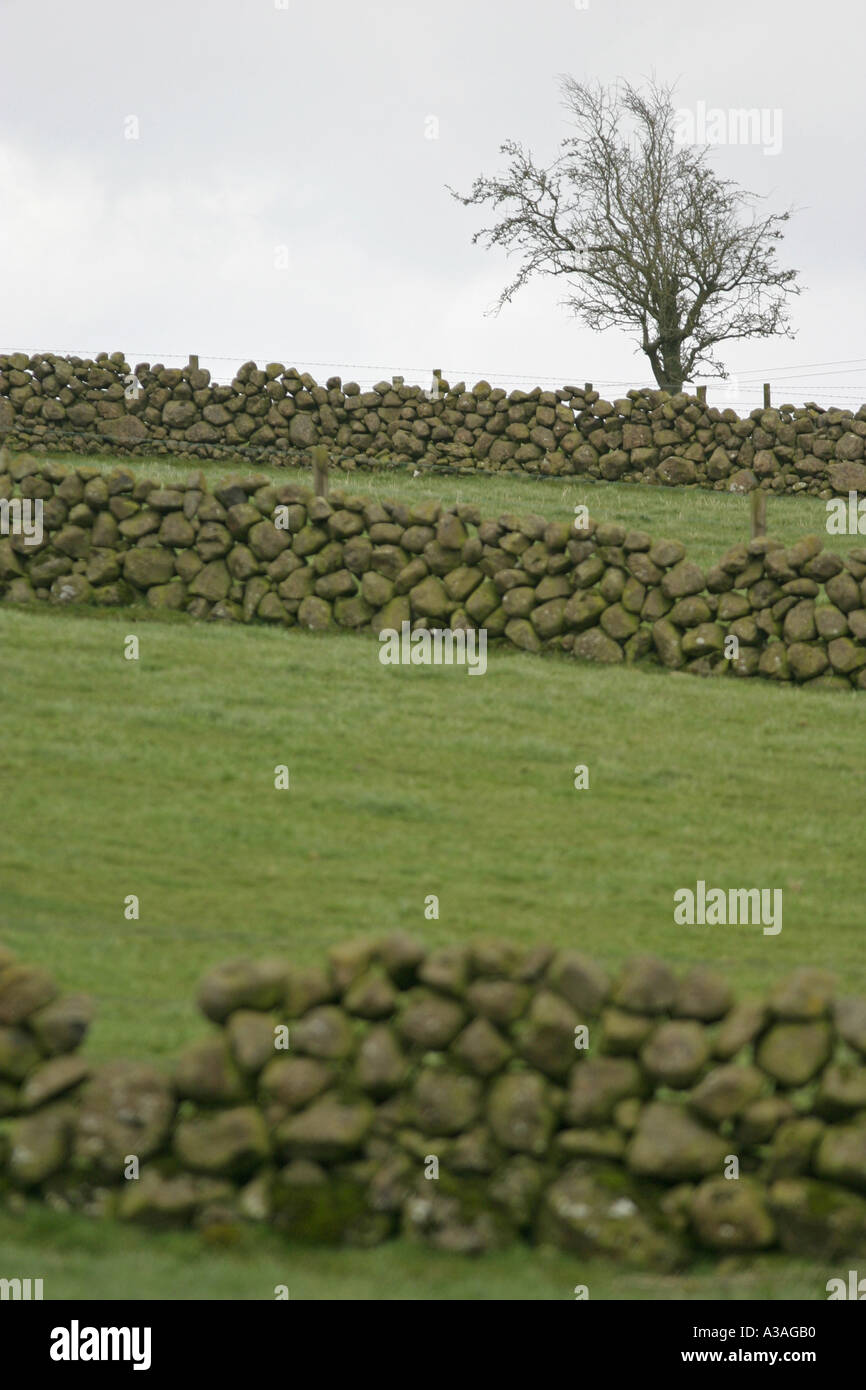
792	1053
144	567
671	1145
207	1072
743	480
401	955
702	994
482	1048
446	1102
596	1087
349	960
324	1032
451	1217
516	1187
178	415
241	984
729	1215
805	994
595	645
162	499
494	958
520	1113
23	990
676	472
842	1090
251	1039
302	430
845	477
683	579
584	609
382	1066
675	1054
328	1130
18	1054
57	1077
502	1001
668	643
841	1155
726	1091
545	1036
125	1108
430	598
291	1082
40	1145
807	660
447	970
589	1143
740	1028
793	1146
212	582
314	613
845	655
818	1219
522	634
666	554
624	1032
598	1213
162	1200
231	1142
849	1017
645	985
799	624
430	1021
126	429
307	986
474	1152
371	995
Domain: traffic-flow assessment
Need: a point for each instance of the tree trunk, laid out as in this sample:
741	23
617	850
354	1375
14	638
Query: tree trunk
669	371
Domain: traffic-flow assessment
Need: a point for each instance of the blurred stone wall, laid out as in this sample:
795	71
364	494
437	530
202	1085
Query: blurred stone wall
466	1097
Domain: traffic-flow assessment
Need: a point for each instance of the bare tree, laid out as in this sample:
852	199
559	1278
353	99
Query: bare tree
651	237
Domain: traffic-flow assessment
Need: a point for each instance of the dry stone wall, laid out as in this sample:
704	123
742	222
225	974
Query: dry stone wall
254	551
275	414
466	1097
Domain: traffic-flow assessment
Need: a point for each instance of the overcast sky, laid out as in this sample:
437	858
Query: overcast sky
283	199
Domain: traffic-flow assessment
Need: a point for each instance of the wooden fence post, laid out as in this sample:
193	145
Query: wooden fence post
320	469
193	363
702	395
758	501
766	395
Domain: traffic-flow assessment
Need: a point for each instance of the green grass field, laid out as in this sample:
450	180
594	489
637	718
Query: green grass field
156	777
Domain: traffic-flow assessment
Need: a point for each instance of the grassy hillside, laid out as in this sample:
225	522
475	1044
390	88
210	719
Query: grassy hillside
156	778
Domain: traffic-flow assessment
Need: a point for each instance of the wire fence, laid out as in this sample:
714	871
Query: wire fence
795	384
